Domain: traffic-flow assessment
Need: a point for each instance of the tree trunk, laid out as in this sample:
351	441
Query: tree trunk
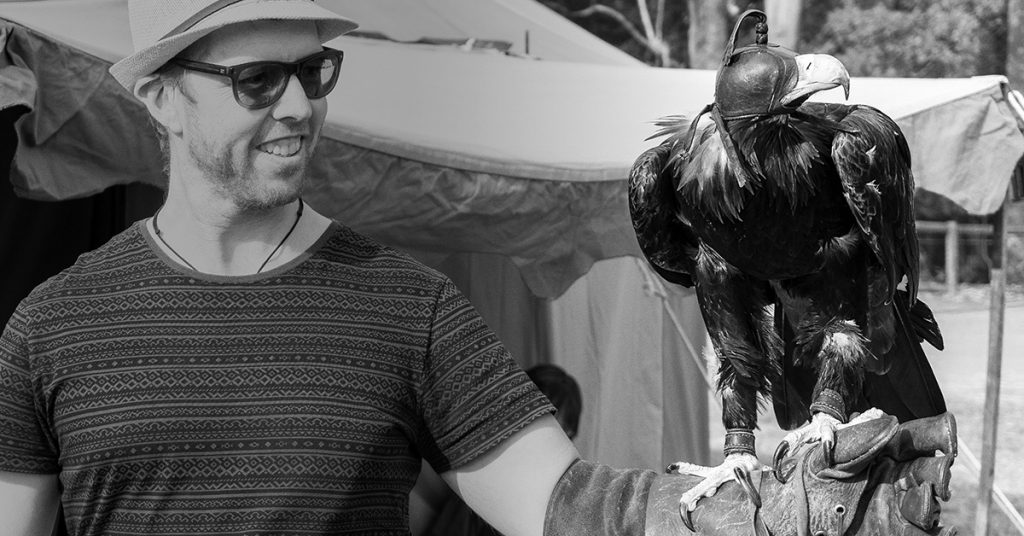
784	22
710	26
1015	43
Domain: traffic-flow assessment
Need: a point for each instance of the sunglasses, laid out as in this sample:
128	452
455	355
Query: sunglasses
259	84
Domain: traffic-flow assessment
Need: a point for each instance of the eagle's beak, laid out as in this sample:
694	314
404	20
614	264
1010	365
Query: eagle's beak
817	72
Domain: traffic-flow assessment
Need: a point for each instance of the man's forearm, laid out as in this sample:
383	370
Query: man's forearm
28	503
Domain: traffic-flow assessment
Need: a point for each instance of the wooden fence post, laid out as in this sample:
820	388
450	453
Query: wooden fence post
952	256
990	416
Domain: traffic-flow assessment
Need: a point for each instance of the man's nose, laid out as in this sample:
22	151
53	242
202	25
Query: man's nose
294	103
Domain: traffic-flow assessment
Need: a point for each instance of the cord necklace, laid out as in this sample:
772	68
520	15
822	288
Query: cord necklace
159	235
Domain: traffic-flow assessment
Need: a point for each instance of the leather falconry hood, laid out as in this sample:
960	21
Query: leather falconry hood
754	78
750	83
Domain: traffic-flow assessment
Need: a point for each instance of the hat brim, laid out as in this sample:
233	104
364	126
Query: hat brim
147	60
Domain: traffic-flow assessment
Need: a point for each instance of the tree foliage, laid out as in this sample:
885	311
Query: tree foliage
904	38
658	32
909	38
619	22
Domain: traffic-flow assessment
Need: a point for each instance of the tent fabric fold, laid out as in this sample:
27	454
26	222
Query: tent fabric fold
72	143
17	84
552	230
966	149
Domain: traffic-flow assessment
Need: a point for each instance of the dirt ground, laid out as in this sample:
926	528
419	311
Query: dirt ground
961	370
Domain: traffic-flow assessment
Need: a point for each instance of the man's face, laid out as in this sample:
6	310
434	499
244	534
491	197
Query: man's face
256	158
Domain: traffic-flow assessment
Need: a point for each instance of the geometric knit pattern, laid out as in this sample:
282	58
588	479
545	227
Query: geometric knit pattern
298	401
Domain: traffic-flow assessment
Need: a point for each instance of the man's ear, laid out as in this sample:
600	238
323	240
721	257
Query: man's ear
158	94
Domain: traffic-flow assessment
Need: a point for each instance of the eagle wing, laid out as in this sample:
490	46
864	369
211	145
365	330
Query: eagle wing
873	161
666	240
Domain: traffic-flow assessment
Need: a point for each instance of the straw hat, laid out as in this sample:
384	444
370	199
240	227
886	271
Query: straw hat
163	28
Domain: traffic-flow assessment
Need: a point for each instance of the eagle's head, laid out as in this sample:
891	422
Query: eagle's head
766	79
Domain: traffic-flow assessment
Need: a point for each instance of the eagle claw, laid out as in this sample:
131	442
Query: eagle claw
684	513
743	477
822	428
828	449
780	454
735	467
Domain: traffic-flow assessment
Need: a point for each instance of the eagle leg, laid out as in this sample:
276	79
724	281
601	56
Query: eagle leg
740	325
841	363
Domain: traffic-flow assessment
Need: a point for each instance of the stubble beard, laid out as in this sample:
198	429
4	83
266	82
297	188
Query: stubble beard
241	183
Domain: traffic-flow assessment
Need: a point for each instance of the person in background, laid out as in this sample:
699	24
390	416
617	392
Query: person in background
564	393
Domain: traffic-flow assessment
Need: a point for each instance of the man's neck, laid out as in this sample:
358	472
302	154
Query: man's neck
214	236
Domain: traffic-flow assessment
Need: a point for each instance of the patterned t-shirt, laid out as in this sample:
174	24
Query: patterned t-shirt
297	401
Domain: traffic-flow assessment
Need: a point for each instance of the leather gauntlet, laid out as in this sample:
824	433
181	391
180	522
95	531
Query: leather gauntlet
887	478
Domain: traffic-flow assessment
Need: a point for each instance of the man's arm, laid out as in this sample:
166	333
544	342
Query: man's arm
28	503
509	486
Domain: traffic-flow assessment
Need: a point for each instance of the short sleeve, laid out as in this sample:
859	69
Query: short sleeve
474	395
23	445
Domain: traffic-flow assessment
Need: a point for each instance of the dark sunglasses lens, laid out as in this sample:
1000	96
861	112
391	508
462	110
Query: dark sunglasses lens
260	85
318	75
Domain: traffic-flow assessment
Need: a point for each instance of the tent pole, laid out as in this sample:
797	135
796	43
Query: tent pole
546	329
998	496
997	309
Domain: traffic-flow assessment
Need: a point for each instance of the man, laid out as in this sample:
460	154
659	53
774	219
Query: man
239	363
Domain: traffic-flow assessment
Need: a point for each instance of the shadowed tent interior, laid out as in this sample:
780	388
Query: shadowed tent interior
505	169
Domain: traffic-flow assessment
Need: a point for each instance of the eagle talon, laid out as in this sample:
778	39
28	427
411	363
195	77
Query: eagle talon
684	514
780	453
828	439
714	477
743	477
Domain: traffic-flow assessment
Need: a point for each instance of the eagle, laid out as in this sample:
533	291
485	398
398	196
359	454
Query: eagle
794	223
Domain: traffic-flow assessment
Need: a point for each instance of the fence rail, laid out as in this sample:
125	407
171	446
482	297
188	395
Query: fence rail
964	228
952	231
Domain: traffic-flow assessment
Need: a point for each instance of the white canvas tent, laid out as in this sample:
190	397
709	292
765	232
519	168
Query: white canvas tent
506	170
524	26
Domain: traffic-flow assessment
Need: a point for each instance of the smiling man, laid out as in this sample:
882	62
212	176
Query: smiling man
239	363
241	127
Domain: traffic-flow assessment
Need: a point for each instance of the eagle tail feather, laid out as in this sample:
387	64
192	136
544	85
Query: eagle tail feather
909	390
924	323
791	392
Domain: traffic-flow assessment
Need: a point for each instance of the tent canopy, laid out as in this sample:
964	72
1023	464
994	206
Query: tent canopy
527	27
444	149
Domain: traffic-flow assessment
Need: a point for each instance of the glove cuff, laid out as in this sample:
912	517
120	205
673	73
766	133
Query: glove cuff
592	498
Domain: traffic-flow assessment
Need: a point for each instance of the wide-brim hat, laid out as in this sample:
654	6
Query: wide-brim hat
161	29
